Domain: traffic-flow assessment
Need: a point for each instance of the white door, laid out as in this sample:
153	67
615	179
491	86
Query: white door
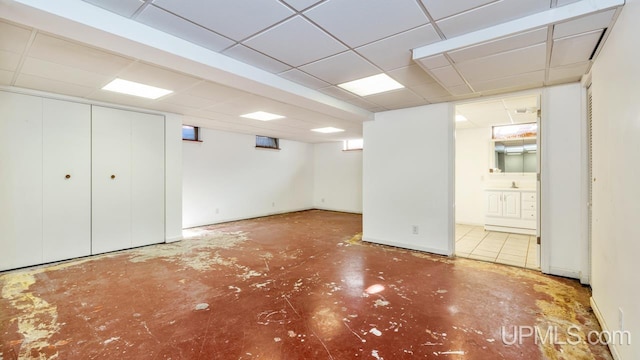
20	180
147	179
67	180
494	203
511	204
111	180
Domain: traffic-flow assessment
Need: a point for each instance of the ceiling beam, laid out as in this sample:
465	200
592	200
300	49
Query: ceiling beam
531	22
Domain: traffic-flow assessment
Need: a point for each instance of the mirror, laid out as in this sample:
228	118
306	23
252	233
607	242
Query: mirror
515	156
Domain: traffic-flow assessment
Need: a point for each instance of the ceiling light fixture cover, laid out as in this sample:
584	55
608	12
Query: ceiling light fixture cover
262	116
327	130
371	85
136	89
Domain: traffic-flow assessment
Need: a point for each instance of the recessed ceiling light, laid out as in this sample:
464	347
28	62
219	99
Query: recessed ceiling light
262	116
327	130
136	89
460	118
371	85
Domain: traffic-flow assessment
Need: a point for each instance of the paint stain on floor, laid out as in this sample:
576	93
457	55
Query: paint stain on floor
293	286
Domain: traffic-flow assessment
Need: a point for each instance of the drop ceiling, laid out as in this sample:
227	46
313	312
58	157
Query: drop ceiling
519	109
228	58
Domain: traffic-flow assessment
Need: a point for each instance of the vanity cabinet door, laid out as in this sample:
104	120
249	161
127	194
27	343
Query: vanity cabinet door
511	204
494	203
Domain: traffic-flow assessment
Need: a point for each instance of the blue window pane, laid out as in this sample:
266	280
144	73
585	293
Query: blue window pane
188	132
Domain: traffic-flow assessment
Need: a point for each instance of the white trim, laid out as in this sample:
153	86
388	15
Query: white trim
174	239
531	22
563	272
604	327
255	216
337	210
406	246
452	180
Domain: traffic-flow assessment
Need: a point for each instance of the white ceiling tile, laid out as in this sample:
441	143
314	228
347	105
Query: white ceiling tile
529	38
6	77
568	73
9	60
121	7
67	74
71	54
411	76
504	64
174	25
218	93
395	98
439	9
303	78
235	19
301	4
54	86
516	82
121	99
156	76
596	21
341	68
358	22
521	102
435	61
430	91
13	38
254	58
295	42
574	49
488	15
394	52
360	102
188	100
448	76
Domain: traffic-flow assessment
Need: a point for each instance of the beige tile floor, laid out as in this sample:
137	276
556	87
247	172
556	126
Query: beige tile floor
511	249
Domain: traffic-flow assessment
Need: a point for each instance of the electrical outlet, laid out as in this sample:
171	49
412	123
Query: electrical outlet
415	229
620	319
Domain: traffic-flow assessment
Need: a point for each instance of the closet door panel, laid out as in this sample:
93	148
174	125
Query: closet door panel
147	179
111	180
67	180
20	180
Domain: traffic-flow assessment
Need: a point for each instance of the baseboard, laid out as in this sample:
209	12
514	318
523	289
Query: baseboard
173	239
406	246
255	216
564	272
337	210
603	325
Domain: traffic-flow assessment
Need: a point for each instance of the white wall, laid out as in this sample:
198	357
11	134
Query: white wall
473	151
408	178
616	194
563	185
227	178
337	178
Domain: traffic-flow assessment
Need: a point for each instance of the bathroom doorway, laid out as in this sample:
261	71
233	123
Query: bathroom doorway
496	187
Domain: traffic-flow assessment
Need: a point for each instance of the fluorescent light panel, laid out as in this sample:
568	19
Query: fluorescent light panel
262	116
327	130
371	85
136	89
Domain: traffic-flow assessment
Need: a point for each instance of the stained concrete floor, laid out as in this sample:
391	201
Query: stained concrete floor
294	286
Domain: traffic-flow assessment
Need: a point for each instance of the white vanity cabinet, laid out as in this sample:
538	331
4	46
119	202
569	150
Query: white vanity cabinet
510	210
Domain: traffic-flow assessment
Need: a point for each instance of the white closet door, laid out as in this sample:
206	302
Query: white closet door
20	180
147	190
67	180
111	180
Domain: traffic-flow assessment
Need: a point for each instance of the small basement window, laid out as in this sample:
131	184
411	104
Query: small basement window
355	144
190	133
265	142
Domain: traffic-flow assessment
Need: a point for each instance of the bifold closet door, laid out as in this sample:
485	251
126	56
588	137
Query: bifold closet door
110	180
66	168
147	151
20	180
